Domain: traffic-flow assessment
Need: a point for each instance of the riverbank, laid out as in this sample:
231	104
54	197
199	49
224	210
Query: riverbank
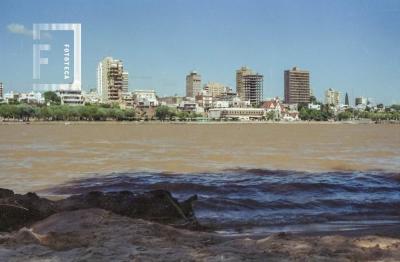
98	235
202	122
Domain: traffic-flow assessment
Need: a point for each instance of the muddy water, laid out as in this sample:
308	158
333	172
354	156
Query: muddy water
42	155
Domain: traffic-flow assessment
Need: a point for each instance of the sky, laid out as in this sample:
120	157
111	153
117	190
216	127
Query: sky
349	45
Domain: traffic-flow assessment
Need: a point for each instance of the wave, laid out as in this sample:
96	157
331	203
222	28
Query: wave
252	198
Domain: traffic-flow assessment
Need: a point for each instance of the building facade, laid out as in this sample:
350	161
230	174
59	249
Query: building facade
216	89
297	86
31	98
1	90
145	98
237	113
249	85
91	97
125	76
332	97
193	84
361	101
112	80
71	97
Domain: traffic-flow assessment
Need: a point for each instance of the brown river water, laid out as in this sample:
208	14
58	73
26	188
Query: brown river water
41	155
250	178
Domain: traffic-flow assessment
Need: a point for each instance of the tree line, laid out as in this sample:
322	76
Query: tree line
25	112
325	114
102	112
167	113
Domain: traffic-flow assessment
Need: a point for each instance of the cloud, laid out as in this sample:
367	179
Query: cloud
22	30
19	29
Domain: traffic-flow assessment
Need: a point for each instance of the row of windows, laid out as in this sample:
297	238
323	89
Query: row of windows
242	112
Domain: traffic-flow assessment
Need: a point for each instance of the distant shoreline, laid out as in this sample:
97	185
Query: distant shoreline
41	122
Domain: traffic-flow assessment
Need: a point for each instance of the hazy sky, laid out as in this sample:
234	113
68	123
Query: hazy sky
352	46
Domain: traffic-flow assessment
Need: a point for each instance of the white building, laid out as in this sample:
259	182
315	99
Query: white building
171	101
314	106
236	113
91	97
188	106
290	116
221	104
332	97
10	96
145	98
230	100
71	97
31	97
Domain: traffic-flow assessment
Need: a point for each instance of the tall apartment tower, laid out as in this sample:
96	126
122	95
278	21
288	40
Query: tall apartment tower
297	86
112	80
249	85
125	76
193	84
332	97
1	89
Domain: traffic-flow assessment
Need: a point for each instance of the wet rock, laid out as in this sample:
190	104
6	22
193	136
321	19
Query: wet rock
6	193
159	205
19	210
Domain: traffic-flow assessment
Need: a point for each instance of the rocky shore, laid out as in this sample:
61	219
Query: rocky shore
153	226
18	210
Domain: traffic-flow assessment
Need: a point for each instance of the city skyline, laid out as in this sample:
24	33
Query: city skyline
353	48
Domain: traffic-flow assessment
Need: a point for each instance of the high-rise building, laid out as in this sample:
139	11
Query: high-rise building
346	100
112	80
297	86
249	85
361	101
1	90
332	97
193	84
125	76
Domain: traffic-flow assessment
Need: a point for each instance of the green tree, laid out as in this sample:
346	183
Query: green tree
25	112
304	114
182	115
6	111
163	112
52	98
270	115
313	100
344	115
395	107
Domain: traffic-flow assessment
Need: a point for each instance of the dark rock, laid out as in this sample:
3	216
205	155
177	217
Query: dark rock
159	205
6	193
